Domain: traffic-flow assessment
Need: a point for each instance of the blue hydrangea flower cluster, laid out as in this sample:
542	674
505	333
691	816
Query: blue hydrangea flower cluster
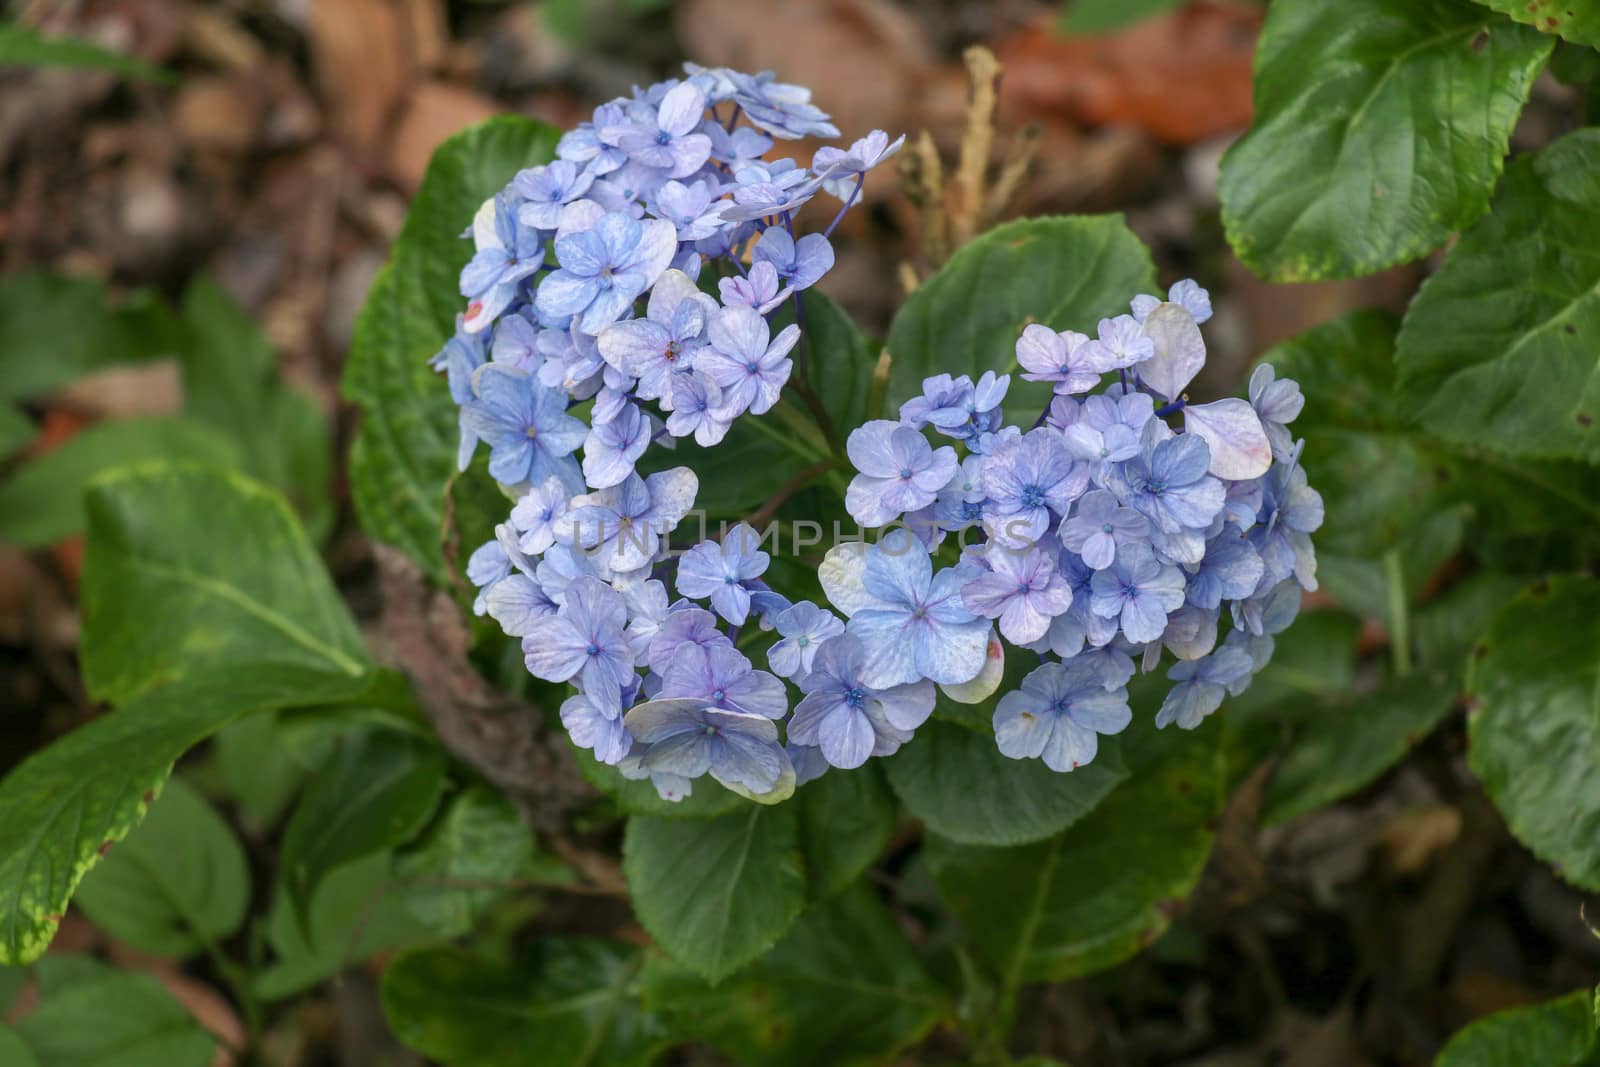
1100	538
587	337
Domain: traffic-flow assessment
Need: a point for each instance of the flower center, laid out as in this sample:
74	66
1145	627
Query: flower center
593	649
905	472
855	696
1032	496
1106	528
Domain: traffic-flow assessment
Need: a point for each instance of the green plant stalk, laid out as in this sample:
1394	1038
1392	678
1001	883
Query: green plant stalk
1399	612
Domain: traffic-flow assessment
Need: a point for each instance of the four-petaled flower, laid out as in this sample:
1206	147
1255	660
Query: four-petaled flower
848	719
1058	715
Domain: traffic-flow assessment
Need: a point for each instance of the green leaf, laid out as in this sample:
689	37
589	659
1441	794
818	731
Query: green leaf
842	361
1574	20
1535	732
186	566
843	987
360	910
1100	16
43	502
232	383
1342	746
707	800
1498	349
14	1052
1317	187
716	893
846	821
405	450
177	882
466	861
1066	272
23	46
566	1002
1557	1033
1093	896
959	784
91	1015
64	803
737	475
16	430
252	765
376	792
55	328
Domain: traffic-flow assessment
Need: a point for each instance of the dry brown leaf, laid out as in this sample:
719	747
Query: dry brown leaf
433	113
364	64
1184	76
1412	839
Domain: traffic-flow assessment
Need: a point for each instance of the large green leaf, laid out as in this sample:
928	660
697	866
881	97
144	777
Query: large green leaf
16	430
231	382
846	821
405	450
360	910
55	328
91	1015
842	362
844	987
176	883
1557	1033
1535	732
376	792
63	804
565	1002
1342	746
716	893
189	569
43	501
14	1052
1096	894
960	785
24	46
1576	20
1380	128
468	860
1066	272
203	602
1499	347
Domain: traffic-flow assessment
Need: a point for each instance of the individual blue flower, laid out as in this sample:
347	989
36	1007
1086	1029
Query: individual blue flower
799	264
1231	570
1168	483
546	190
849	720
1021	589
723	572
591	728
663	344
1099	525
1278	402
745	359
583	145
1120	343
460	357
1202	683
612	448
516	341
698	408
899	471
694	209
781	109
647	612
1290	512
1268	611
803	629
570	361
1186	294
1139	591
622	527
742	144
1191	633
1046	355
960	502
560	566
584	640
515	602
1058	715
487	566
843	165
723	677
689	738
1101	434
529	433
603	270
910	620
686	628
759	289
508	253
667	137
1026	480
956	407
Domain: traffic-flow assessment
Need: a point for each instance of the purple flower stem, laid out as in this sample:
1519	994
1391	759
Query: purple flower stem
860	178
